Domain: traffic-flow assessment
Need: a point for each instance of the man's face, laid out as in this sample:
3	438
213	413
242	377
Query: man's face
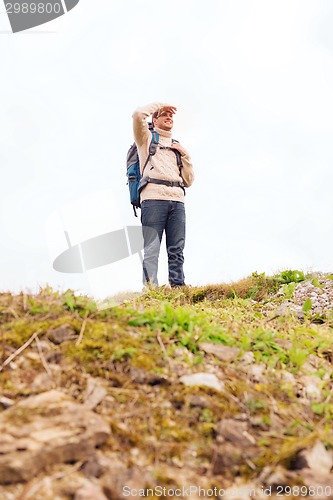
164	120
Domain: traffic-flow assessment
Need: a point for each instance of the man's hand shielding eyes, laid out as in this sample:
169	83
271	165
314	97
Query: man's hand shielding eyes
167	109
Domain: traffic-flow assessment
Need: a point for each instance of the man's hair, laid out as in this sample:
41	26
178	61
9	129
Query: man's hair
154	115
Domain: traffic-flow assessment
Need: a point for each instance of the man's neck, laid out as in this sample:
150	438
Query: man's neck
163	133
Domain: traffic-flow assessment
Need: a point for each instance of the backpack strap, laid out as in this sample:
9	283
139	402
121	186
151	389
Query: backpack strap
178	156
152	147
147	179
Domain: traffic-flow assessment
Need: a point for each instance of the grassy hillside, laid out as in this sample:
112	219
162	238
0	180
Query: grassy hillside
273	368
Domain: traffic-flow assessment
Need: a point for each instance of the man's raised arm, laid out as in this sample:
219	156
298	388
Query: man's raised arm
140	126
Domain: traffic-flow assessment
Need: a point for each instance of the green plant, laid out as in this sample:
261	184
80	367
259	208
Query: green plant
288	290
290	276
307	306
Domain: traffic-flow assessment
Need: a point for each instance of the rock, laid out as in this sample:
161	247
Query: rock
311	389
276	478
42	382
248	358
119	481
54	357
61	334
93	467
95	393
226	456
284	343
288	377
223	352
236	432
318	459
6	402
199	402
140	376
256	372
43	430
284	308
203	379
90	492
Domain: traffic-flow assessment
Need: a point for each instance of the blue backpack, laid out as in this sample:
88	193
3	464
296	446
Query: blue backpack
136	182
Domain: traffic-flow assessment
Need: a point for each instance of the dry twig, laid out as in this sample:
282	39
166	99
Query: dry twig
79	340
159	340
18	351
42	358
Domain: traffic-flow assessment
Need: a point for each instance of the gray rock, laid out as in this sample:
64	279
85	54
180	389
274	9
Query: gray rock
119	480
223	352
311	389
256	372
236	432
6	402
248	358
94	466
140	376
61	334
203	379
197	401
42	382
95	393
318	459
90	491
46	429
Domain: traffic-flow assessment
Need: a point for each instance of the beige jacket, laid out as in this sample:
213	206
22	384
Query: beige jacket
163	165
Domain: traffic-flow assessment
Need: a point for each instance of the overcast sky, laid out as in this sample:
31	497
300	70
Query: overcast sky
253	84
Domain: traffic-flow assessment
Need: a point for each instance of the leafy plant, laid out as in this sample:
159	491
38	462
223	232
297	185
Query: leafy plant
307	306
288	290
290	276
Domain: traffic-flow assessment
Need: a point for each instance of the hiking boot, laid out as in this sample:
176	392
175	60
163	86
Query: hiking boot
177	286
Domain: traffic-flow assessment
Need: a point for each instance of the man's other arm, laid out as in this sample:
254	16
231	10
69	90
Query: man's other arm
187	170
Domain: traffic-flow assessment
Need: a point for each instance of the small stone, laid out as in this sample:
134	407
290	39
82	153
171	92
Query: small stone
199	402
223	352
61	334
140	376
119	481
93	467
6	402
236	432
318	459
203	379
95	393
42	382
311	388
248	358
256	372
288	377
90	491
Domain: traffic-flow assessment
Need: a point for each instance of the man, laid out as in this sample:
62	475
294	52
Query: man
162	197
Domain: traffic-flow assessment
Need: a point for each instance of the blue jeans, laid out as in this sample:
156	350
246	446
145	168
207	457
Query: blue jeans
158	216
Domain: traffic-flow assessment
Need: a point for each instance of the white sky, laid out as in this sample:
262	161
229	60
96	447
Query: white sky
253	84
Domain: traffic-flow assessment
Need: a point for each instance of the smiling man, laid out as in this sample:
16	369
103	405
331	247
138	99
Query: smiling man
165	175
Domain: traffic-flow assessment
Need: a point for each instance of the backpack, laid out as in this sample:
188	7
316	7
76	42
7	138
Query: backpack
136	182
